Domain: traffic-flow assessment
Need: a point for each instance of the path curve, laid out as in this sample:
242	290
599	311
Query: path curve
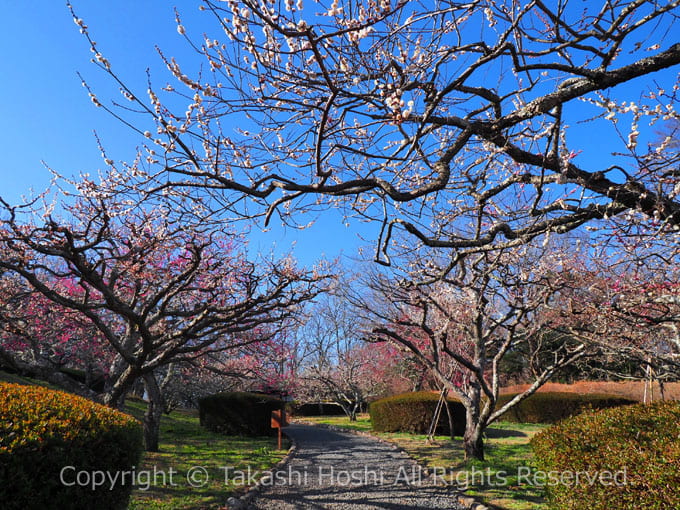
338	470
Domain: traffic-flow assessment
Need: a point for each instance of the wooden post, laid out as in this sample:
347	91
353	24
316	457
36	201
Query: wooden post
279	421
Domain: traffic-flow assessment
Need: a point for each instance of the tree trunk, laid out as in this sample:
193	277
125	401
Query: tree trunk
154	411
45	372
473	441
116	388
353	413
347	410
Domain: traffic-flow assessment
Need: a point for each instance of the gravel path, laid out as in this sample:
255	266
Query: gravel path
346	471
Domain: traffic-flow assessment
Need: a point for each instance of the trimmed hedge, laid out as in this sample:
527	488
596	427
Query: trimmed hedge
317	409
413	412
238	413
638	444
552	407
43	433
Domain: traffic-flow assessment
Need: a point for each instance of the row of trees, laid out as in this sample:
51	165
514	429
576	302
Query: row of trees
463	130
132	292
186	315
547	308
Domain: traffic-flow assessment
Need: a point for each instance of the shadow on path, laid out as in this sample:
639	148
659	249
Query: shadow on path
336	470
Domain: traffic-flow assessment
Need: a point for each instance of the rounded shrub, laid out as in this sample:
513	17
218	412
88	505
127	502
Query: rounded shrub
552	407
47	437
413	412
238	413
625	458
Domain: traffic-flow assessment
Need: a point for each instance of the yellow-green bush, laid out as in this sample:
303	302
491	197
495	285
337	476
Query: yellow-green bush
43	433
413	412
551	407
630	453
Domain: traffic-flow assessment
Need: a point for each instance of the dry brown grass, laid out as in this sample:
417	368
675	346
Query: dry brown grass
629	389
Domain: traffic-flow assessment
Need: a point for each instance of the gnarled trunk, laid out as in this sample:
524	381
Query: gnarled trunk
473	440
154	411
47	373
473	443
350	409
116	388
353	413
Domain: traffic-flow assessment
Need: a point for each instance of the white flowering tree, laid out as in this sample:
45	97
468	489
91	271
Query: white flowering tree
338	365
461	123
457	126
463	327
632	313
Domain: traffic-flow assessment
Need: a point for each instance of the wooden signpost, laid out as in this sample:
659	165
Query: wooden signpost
278	421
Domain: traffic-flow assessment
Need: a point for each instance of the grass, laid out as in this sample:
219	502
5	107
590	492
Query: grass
496	480
493	481
363	422
162	477
18	379
185	446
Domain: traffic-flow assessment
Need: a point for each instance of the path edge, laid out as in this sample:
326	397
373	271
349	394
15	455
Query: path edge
243	502
468	502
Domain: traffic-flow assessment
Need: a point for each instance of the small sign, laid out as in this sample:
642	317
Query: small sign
279	419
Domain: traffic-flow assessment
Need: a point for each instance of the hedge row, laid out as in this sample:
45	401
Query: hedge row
552	407
47	437
631	454
238	413
413	412
317	409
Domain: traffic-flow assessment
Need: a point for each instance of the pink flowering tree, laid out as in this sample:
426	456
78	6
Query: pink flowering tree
273	366
157	289
39	338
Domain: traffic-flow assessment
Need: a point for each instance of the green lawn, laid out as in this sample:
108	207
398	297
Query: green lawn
493	481
363	421
186	448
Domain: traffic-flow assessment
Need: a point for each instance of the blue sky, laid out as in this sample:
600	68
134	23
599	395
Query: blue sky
47	114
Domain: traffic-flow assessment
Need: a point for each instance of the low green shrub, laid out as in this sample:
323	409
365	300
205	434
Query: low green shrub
631	453
47	438
238	413
413	412
552	407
